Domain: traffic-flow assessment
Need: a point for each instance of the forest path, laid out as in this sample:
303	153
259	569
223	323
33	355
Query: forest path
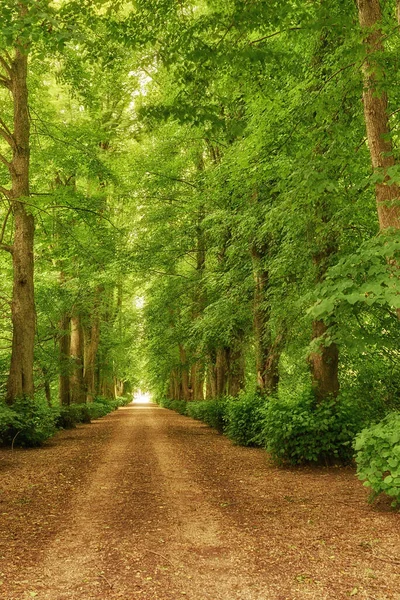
149	504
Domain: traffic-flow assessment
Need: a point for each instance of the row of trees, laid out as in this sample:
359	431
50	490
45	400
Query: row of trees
233	163
67	331
271	200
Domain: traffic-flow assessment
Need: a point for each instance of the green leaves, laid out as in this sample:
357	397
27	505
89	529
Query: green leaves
378	457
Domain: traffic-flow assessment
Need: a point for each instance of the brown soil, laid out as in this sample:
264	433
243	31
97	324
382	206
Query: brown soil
147	504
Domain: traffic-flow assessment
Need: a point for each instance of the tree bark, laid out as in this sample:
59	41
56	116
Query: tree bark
20	380
220	372
64	389
197	380
324	361
376	116
77	390
235	379
184	369
324	364
267	352
92	340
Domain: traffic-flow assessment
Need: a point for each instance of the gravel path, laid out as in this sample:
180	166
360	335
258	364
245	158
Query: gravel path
151	505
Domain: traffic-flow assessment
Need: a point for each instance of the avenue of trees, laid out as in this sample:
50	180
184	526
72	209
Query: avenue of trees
201	196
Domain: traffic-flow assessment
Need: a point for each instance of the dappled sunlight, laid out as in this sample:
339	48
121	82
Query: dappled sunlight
140	397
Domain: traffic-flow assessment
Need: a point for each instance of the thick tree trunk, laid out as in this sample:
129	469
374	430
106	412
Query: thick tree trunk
324	361
107	388
197	380
175	385
47	388
324	365
64	391
267	353
376	116
211	378
20	380
92	340
77	389
221	368
235	380
118	387
184	369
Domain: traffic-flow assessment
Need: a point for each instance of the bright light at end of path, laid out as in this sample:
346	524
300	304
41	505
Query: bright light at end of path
140	397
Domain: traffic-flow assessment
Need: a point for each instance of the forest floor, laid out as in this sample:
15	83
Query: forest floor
147	504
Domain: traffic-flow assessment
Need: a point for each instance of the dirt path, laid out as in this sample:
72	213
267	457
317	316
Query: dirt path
148	504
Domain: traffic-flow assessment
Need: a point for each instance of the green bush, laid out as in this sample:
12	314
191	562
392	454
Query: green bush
67	417
300	430
378	457
244	419
211	412
122	400
164	402
7	421
33	423
99	409
178	406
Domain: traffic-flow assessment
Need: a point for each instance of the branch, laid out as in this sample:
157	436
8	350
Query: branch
5	161
7	248
5	82
266	37
3	229
5	66
171	178
7	193
7	134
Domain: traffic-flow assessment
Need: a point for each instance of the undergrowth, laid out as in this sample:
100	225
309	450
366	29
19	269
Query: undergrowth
30	422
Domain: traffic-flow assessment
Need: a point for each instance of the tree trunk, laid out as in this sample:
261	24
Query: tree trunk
324	364
20	380
64	390
197	380
221	368
267	352
77	390
324	361
92	339
235	380
118	388
184	369
376	116
211	378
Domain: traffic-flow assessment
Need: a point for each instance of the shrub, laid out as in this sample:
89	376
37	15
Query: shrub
122	400
7	421
244	419
32	424
99	409
67	417
178	406
211	412
299	431
378	457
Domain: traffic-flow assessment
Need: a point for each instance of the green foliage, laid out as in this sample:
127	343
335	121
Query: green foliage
31	423
297	430
211	412
7	422
378	457
100	407
244	419
179	406
67	417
